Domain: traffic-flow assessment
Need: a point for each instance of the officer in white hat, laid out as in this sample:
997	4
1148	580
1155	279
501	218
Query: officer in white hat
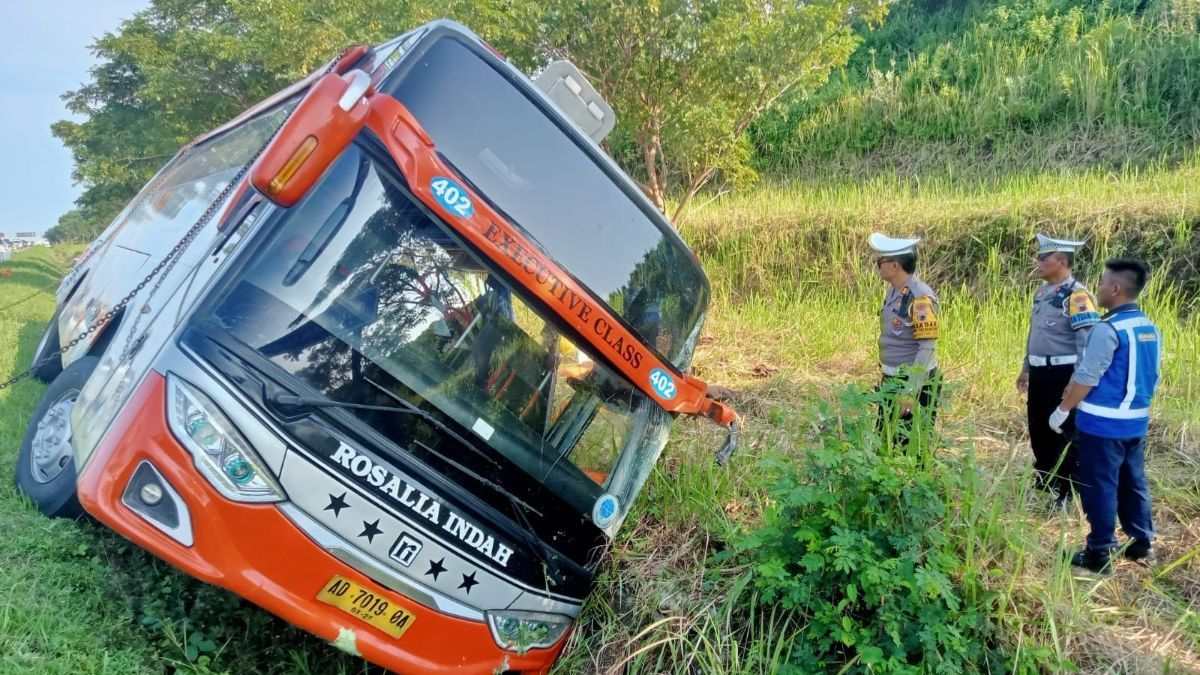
908	329
1063	313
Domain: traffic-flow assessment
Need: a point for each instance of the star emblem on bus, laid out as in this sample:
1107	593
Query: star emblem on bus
468	581
370	530
435	568
336	504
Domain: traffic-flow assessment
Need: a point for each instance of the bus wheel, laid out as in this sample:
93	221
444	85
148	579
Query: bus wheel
49	344
46	463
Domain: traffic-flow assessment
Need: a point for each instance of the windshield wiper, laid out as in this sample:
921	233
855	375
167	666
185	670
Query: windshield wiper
499	489
531	536
519	506
312	402
405	409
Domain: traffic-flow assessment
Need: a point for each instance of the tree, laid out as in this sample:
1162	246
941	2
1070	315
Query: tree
182	67
687	77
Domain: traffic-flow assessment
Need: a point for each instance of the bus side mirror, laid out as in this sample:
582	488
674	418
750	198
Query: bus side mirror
323	124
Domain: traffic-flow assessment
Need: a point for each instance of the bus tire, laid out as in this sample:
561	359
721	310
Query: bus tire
46	462
49	344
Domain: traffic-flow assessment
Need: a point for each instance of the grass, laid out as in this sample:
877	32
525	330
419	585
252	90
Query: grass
47	565
794	322
1038	84
791	326
77	598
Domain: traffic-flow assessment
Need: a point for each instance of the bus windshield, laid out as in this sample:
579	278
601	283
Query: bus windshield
364	297
539	176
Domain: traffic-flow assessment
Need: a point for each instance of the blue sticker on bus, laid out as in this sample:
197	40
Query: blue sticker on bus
604	512
663	383
452	196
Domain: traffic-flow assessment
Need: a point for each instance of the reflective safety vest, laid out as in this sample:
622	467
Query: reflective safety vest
1119	405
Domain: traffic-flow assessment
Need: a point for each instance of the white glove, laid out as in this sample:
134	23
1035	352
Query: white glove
1058	418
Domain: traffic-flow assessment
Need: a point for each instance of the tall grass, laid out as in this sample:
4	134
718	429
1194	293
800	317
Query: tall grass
792	236
1026	83
794	321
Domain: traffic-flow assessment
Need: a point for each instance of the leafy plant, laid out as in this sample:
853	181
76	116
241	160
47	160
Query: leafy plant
858	543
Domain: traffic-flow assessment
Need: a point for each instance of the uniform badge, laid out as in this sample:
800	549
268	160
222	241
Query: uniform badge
896	321
925	326
1051	323
1081	310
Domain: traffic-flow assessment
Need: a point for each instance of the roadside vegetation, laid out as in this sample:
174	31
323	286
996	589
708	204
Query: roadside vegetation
819	548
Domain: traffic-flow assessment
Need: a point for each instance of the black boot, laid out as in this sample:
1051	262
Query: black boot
1094	560
1141	552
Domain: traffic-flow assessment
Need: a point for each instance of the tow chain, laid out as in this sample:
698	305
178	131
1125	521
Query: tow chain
29	297
169	260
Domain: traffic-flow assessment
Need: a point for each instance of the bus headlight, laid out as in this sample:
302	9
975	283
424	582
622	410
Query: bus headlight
519	631
222	455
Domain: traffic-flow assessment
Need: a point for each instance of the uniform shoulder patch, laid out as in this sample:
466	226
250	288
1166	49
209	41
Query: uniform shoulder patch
924	319
1081	309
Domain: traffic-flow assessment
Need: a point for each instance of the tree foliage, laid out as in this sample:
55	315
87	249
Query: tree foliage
182	67
685	77
170	72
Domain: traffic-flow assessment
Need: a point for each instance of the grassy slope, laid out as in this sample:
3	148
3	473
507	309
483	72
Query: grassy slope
77	598
794	321
974	127
987	87
55	587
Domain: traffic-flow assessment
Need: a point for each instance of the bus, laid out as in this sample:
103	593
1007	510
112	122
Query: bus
389	355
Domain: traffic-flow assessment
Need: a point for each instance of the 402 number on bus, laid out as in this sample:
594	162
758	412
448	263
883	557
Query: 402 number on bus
452	196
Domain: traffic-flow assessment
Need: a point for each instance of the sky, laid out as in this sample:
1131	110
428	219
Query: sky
46	52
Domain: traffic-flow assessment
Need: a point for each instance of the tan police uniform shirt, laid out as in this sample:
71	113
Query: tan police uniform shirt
908	326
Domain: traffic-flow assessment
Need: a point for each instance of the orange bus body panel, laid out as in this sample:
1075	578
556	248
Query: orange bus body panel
254	551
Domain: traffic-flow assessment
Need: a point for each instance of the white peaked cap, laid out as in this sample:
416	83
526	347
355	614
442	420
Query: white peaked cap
885	245
1050	245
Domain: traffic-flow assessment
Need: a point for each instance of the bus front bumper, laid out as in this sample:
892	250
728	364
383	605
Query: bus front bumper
254	551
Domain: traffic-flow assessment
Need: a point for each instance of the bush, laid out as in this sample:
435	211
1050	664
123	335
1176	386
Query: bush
857	543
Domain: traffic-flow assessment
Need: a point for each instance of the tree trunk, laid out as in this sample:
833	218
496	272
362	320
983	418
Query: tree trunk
697	183
650	142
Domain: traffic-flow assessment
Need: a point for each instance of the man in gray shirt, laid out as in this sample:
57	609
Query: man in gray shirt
908	333
1063	313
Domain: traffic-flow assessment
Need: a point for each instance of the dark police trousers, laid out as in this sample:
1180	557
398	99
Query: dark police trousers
1112	485
1046	385
927	400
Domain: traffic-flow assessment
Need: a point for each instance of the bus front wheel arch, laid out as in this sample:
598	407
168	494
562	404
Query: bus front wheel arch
45	470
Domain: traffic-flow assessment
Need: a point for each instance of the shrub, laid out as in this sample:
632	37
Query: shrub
857	543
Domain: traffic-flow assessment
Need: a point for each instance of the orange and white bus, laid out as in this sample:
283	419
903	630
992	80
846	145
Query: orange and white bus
412	344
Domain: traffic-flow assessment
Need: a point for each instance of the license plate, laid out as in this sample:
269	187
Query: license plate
382	613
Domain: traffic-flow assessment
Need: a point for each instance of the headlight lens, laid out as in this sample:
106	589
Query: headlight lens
519	631
221	453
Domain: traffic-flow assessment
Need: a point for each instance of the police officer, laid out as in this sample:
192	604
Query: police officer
908	330
1063	313
1112	387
